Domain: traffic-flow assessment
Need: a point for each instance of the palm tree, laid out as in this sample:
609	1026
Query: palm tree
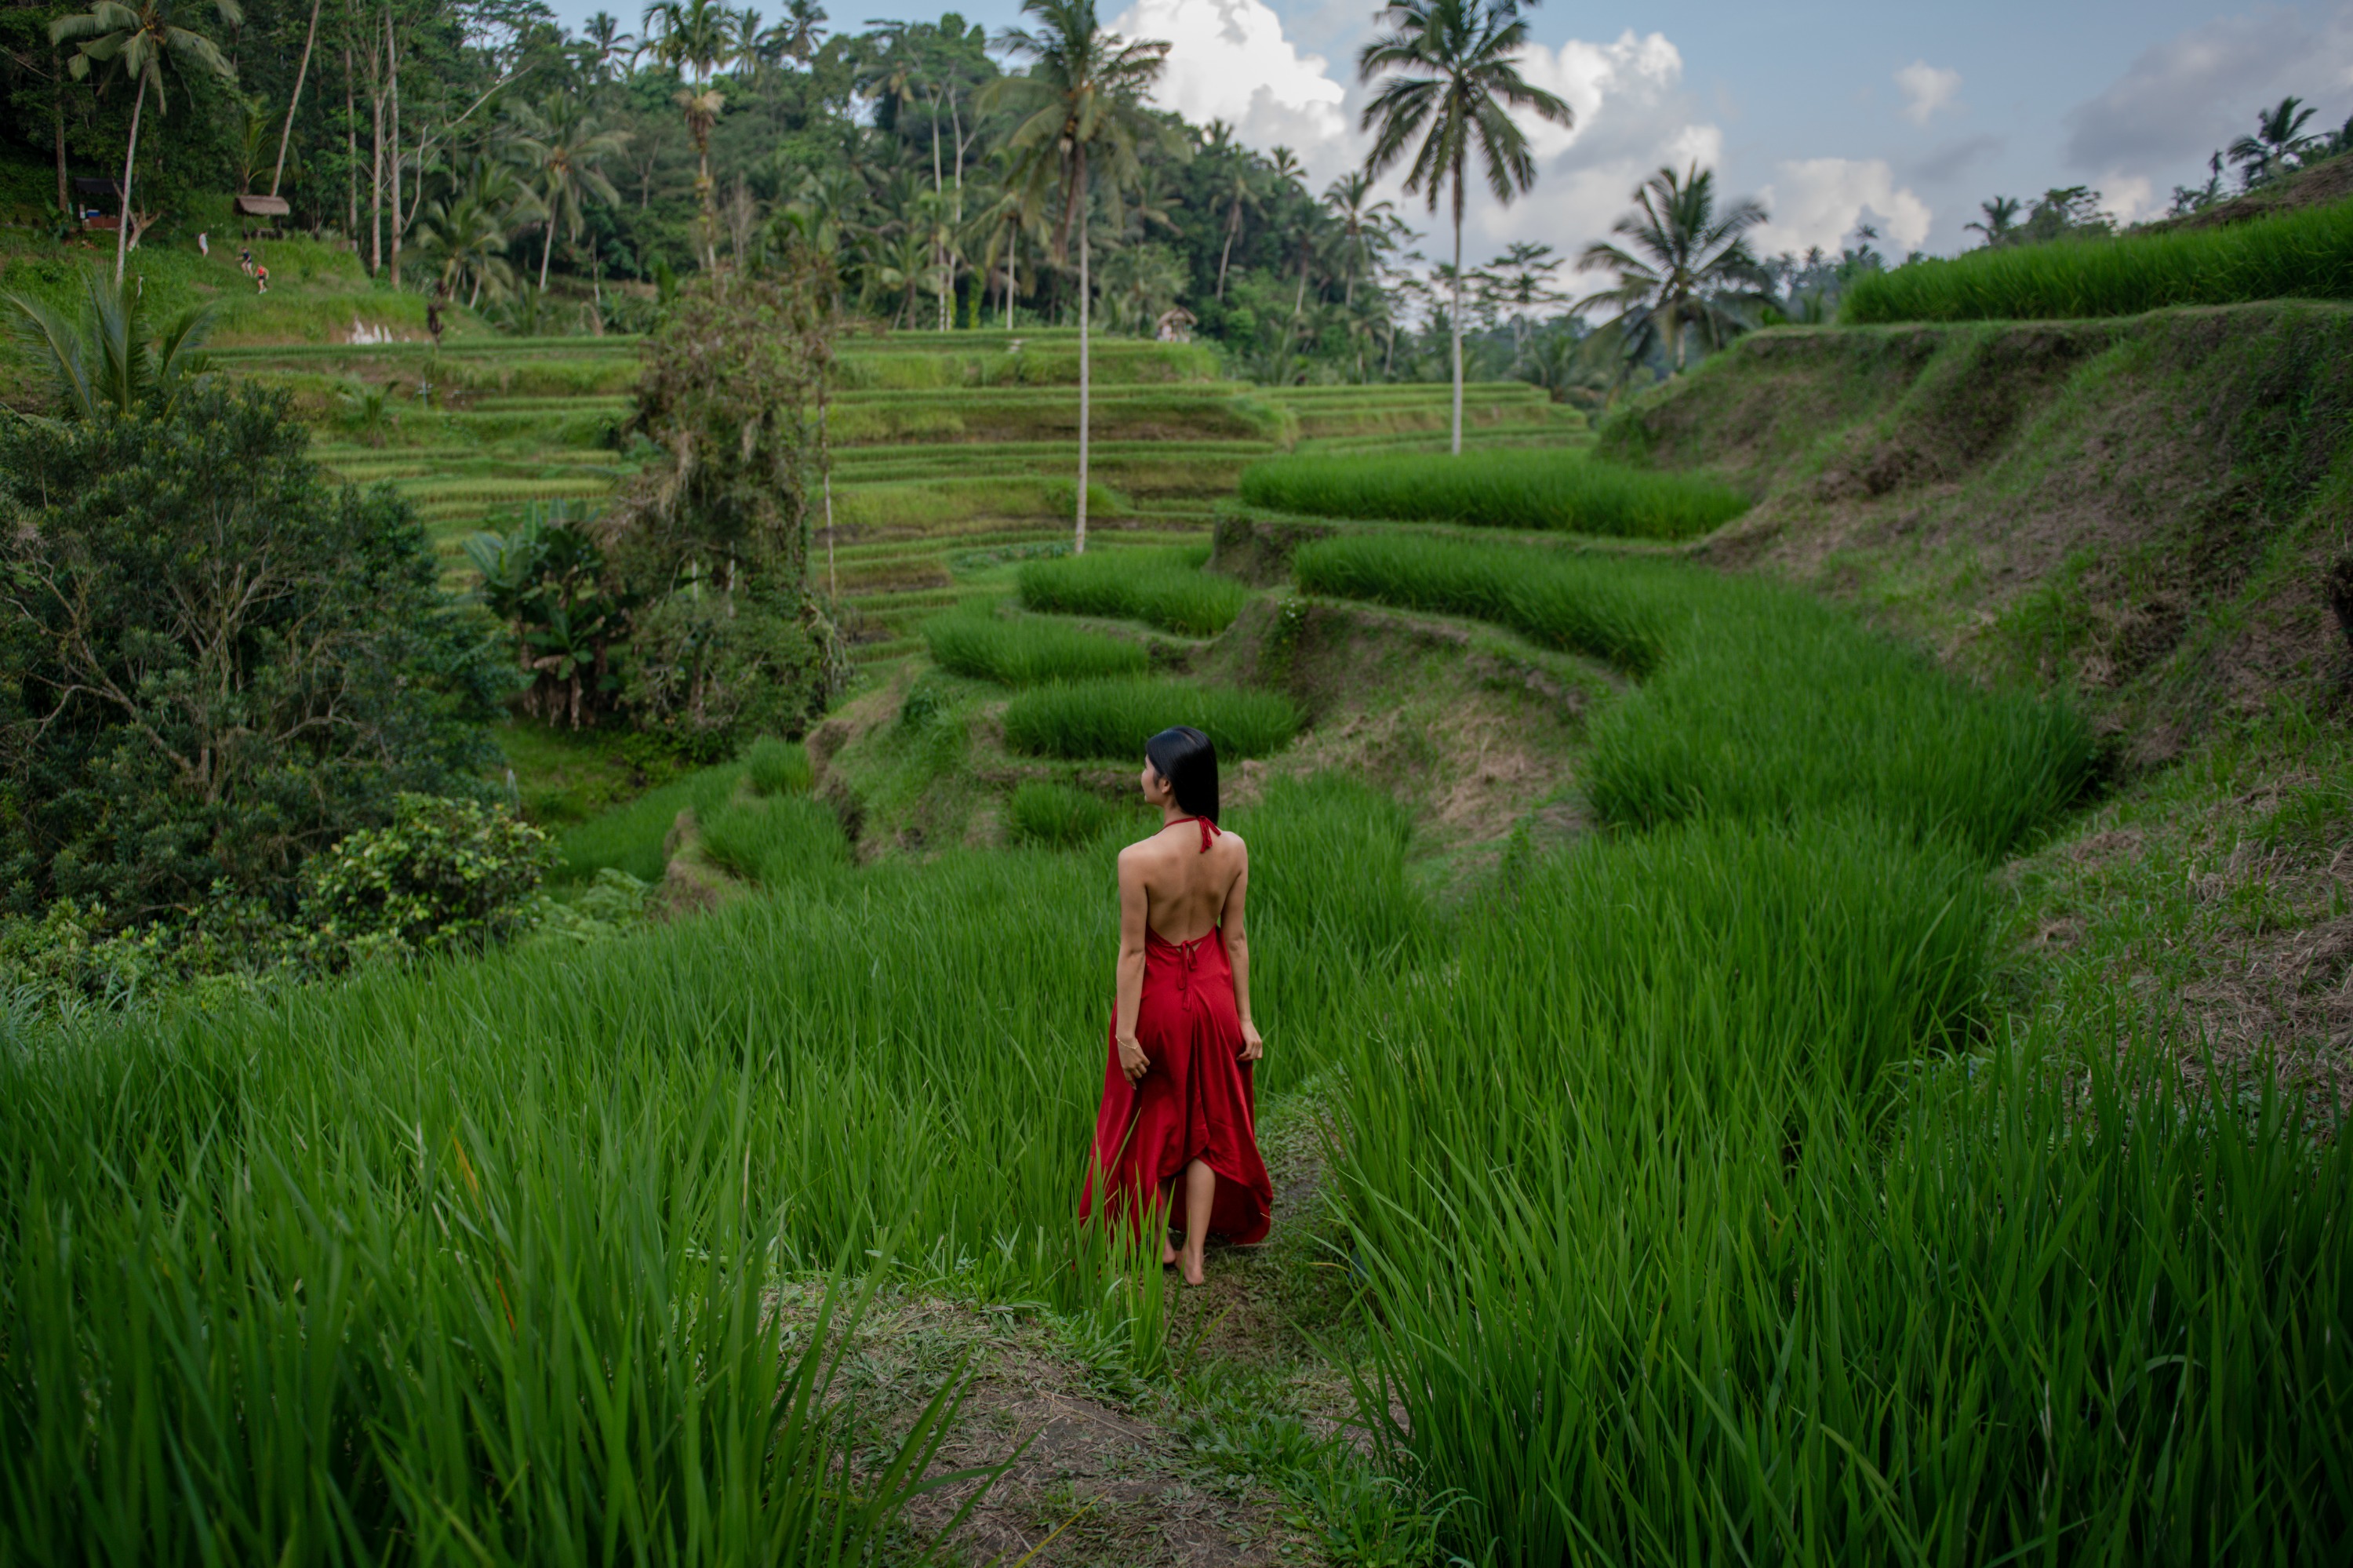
1449	73
1079	104
1348	199
1236	185
141	39
692	36
561	144
1522	279
798	35
105	364
469	231
1695	265
2278	140
2000	219
604	42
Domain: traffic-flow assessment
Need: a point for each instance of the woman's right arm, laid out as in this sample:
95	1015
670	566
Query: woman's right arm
1134	907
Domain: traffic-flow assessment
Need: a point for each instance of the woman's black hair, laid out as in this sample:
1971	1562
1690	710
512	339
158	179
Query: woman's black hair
1186	759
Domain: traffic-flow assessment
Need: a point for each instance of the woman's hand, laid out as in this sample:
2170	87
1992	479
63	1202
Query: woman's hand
1252	1046
1131	1059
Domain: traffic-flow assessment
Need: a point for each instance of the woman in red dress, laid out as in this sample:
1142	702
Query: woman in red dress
1178	1134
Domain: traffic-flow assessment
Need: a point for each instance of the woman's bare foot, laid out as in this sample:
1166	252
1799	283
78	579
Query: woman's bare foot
1190	1263
1167	1255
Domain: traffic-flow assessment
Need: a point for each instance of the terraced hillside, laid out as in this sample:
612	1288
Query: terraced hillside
954	455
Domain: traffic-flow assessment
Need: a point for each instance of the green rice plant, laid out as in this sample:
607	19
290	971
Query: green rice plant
1504	488
1676	1253
1758	701
1027	650
463	1260
1114	717
779	766
2304	254
1056	816
1163	587
775	841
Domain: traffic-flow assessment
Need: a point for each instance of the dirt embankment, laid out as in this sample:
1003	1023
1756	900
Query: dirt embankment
2144	511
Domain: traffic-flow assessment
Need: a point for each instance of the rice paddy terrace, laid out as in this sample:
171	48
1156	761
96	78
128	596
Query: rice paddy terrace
953	454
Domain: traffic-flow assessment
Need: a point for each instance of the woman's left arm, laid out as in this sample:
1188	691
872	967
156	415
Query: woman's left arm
1238	954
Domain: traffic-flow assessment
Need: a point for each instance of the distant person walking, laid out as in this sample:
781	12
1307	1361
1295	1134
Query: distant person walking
1176	1136
260	279
245	259
204	244
433	317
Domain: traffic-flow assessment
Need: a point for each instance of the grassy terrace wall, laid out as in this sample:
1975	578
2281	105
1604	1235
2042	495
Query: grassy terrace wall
2141	511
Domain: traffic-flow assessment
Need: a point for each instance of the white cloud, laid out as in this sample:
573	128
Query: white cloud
1631	116
1818	201
2154	125
1229	60
1927	88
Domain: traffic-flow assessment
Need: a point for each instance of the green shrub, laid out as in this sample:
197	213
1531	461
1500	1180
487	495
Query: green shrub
1165	588
2304	254
1022	652
1504	488
779	766
1113	718
772	842
1060	816
444	875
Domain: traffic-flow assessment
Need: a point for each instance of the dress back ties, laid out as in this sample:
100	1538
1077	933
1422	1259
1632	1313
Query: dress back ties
1210	830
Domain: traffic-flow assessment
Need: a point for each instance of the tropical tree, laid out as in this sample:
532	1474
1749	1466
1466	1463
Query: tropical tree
2279	140
139	39
2000	219
1239	187
106	363
1364	226
803	28
1690	266
1078	111
1448	75
561	145
1521	279
468	231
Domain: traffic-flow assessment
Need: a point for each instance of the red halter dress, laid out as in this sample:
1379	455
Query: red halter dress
1194	1101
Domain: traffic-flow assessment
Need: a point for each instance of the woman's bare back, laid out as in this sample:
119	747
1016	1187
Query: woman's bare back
1185	888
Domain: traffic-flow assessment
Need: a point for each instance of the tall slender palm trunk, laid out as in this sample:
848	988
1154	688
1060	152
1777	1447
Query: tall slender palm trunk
1078	542
129	156
301	73
1456	313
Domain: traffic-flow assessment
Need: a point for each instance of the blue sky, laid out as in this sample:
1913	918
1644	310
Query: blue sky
1830	112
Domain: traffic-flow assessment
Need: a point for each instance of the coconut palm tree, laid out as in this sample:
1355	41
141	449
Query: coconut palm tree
561	145
1239	185
692	37
2279	140
2000	219
1364	223
1523	280
803	28
141	39
1695	265
106	363
1448	75
603	42
1076	113
468	231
